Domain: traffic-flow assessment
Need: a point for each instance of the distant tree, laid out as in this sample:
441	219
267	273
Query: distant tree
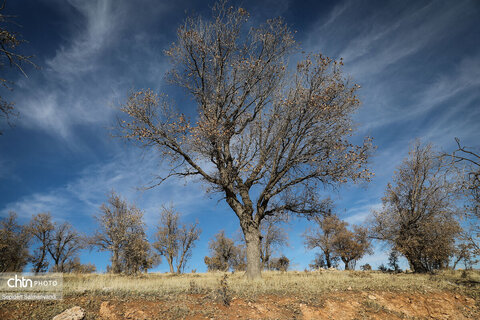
121	232
366	267
336	241
41	228
464	251
323	237
136	254
382	268
393	260
280	264
266	135
273	236
224	254
14	241
351	246
319	262
75	266
9	56
173	241
418	214
64	244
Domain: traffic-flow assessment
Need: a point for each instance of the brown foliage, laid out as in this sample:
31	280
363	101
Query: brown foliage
324	237
75	266
337	242
224	254
122	233
280	264
418	214
258	126
14	240
351	246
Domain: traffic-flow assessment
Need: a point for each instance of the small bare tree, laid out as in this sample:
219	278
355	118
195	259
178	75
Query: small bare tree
224	254
64	244
280	264
137	255
418	214
351	246
336	241
323	237
41	228
259	126
120	224
9	55
14	241
273	237
74	265
173	241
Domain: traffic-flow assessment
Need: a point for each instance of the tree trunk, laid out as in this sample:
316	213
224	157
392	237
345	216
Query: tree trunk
254	263
40	262
416	265
346	264
327	259
115	265
170	263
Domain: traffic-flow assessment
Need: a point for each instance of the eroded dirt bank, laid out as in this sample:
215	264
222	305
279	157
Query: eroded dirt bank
336	305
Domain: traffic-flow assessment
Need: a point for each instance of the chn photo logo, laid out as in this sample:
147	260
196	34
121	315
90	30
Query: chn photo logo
16	282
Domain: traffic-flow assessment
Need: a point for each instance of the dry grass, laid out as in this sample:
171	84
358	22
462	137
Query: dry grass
275	283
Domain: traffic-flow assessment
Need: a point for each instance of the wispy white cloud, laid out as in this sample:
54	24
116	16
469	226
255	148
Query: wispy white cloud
125	174
99	29
463	82
93	68
358	215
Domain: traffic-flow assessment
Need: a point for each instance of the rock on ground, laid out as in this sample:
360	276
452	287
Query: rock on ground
75	313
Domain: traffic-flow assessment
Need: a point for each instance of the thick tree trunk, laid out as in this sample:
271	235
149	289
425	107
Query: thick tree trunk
170	263
254	263
416	265
115	265
327	259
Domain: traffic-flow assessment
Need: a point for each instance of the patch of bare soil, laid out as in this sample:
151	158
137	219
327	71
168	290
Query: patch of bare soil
337	305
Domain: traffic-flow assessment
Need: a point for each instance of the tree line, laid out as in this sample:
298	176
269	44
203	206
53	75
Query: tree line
49	246
420	219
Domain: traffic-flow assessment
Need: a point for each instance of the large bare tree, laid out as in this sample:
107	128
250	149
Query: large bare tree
9	56
418	213
265	136
173	241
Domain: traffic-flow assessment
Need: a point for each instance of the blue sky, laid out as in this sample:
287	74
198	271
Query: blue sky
418	63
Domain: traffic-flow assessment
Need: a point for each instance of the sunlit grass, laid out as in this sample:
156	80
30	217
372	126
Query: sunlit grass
278	283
